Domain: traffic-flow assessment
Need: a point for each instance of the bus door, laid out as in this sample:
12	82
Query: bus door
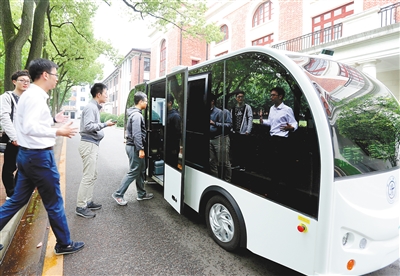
155	131
176	91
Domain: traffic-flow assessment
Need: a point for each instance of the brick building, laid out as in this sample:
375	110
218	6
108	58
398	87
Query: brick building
134	69
362	33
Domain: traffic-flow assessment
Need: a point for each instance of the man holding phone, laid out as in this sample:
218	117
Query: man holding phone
91	134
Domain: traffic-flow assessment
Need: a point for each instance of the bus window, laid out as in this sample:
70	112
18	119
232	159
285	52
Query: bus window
241	86
197	124
174	105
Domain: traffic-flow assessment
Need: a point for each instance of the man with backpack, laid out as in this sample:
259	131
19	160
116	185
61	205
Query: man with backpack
135	149
9	101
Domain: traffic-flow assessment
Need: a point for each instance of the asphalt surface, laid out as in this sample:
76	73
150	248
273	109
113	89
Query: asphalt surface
146	237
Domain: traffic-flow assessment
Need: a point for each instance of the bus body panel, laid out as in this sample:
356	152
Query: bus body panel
173	194
325	224
271	228
365	208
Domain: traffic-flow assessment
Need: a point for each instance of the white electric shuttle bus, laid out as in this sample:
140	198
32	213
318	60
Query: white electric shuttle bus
330	206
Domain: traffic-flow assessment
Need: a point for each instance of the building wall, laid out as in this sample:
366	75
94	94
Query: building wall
373	3
289	11
391	80
124	78
293	19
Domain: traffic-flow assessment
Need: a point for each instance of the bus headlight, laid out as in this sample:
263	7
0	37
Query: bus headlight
347	239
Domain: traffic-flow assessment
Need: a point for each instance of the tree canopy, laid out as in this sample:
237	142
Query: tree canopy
62	31
186	15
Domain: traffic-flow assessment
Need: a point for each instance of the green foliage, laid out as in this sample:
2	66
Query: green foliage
187	15
255	74
72	45
347	168
103	115
121	120
109	116
373	124
68	41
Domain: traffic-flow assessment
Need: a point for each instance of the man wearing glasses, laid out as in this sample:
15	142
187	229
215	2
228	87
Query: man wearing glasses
281	120
242	123
36	162
9	101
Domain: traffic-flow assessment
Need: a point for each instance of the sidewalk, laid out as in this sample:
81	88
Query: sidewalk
8	232
31	255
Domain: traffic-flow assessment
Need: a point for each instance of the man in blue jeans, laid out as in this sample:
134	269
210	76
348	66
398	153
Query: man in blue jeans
36	162
135	146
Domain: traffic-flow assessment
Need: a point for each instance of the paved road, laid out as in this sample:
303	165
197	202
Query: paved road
147	237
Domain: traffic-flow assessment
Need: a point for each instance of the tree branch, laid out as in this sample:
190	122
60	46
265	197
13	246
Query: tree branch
73	25
151	14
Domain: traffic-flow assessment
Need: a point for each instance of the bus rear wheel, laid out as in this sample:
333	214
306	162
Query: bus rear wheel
223	223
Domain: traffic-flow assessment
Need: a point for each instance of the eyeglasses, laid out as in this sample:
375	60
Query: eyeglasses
240	97
52	74
273	95
24	81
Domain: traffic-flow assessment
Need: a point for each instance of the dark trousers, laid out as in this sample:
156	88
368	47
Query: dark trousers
239	149
281	159
38	169
9	167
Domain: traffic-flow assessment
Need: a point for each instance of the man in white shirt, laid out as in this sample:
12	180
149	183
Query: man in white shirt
282	121
36	162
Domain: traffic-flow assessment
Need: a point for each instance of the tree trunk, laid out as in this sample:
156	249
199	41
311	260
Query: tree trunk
13	41
38	31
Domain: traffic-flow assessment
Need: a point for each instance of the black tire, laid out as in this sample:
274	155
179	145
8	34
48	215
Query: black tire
223	223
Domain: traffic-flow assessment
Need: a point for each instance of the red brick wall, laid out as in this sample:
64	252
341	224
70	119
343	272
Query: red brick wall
237	31
190	48
290	19
373	3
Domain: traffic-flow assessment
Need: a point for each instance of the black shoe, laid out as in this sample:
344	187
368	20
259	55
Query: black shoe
1	247
69	249
84	212
93	206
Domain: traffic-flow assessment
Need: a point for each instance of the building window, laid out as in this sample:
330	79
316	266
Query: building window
268	39
82	99
323	25
194	62
163	58
146	61
262	14
225	31
82	89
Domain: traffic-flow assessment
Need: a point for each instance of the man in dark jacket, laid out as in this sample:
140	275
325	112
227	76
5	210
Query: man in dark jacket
135	149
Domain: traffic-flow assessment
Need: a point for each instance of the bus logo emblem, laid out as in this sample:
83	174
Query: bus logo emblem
391	190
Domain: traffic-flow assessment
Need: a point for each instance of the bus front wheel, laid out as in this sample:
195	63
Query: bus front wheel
223	223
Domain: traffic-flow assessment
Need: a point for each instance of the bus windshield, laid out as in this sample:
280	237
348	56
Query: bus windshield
364	116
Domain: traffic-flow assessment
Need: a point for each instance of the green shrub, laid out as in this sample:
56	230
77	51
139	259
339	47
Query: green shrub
103	115
110	117
121	120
